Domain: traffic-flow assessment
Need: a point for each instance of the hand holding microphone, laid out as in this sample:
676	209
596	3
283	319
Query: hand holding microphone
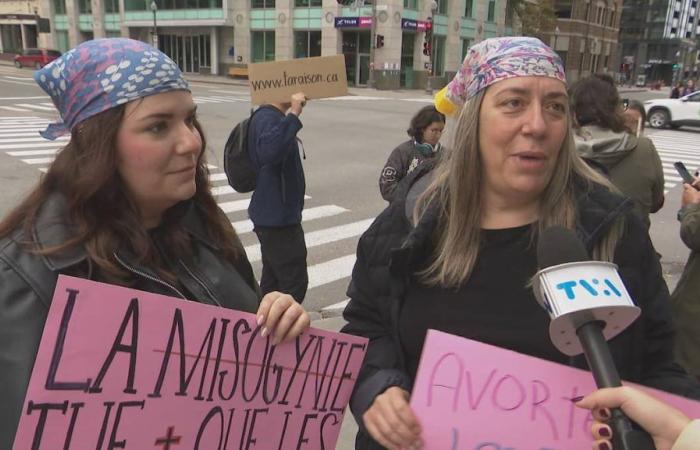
588	304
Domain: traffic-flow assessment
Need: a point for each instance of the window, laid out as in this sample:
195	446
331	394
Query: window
442	6
438	56
85	6
562	9
111	6
410	4
492	11
468	8
563	55
145	5
307	3
262	4
59	7
263	43
466	43
307	43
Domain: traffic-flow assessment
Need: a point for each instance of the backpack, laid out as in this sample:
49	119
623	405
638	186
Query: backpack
239	169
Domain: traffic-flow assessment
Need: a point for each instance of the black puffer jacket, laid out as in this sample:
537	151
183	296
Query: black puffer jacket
391	249
27	282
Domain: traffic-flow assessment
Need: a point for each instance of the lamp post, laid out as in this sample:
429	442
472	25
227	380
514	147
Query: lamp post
429	83
154	8
371	82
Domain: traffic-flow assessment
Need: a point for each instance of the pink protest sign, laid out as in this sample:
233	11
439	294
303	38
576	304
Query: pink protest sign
473	396
121	368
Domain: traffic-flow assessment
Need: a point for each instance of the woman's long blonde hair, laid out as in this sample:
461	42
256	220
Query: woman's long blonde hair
455	191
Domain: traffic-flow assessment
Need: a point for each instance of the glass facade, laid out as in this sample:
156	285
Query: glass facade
263	46
145	5
307	43
258	4
59	6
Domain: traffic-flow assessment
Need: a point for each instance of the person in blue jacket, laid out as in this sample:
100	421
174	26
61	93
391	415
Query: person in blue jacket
278	199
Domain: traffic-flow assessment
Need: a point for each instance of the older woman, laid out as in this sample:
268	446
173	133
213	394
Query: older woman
127	202
460	257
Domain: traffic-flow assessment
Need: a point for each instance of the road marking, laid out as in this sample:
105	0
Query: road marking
38	161
218	177
12	108
39	144
307	214
330	271
51	151
39	107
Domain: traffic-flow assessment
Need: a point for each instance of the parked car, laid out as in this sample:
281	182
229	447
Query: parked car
674	112
36	57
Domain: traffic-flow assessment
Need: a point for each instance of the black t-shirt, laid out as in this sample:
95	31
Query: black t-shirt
495	306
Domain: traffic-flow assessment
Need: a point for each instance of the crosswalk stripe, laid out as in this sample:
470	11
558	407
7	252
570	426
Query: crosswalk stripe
51	151
19	134
330	271
33	145
318	212
23	127
39	107
12	108
218	177
221	190
234	205
38	160
320	237
24	139
672	159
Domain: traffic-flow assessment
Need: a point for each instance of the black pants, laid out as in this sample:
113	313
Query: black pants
283	251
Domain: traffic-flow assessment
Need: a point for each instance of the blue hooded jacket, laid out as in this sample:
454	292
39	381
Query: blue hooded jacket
278	198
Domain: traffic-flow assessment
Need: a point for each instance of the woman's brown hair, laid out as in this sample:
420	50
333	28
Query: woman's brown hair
595	101
104	218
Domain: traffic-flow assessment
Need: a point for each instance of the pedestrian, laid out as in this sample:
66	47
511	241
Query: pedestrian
278	200
460	258
689	88
685	299
668	427
677	89
635	117
127	201
631	161
425	131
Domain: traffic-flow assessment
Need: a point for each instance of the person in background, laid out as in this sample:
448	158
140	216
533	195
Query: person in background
631	162
677	90
635	117
278	200
685	299
425	131
668	427
689	88
455	251
127	201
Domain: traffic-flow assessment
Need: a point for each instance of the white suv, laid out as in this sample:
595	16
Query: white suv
674	112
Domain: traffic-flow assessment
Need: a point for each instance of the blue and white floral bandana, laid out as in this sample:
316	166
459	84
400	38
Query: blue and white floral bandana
100	74
497	59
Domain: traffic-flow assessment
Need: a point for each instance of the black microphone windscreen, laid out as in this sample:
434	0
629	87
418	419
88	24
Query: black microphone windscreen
558	245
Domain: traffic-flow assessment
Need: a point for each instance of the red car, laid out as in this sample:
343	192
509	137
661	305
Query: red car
36	57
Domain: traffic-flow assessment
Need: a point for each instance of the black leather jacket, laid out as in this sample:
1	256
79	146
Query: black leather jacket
27	282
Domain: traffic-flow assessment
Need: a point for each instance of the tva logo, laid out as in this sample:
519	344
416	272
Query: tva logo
593	286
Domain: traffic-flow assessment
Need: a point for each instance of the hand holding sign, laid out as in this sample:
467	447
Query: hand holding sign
391	422
298	103
280	315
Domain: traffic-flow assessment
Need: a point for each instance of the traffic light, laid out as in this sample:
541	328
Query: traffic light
427	42
380	41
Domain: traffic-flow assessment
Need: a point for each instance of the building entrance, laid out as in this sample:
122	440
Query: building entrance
191	53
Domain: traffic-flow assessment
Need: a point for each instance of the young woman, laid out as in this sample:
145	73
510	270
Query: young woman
127	202
461	257
425	131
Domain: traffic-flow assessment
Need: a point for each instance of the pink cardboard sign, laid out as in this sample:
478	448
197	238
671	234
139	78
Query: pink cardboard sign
474	396
121	368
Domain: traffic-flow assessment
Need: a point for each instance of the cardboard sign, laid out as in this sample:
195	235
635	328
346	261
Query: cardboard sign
121	368
473	396
317	77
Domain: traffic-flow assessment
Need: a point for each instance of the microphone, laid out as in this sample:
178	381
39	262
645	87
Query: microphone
588	304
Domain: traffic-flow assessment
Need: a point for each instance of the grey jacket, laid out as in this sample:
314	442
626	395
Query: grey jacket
27	282
403	160
632	163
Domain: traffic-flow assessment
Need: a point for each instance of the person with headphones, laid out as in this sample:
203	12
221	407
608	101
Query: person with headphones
425	131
